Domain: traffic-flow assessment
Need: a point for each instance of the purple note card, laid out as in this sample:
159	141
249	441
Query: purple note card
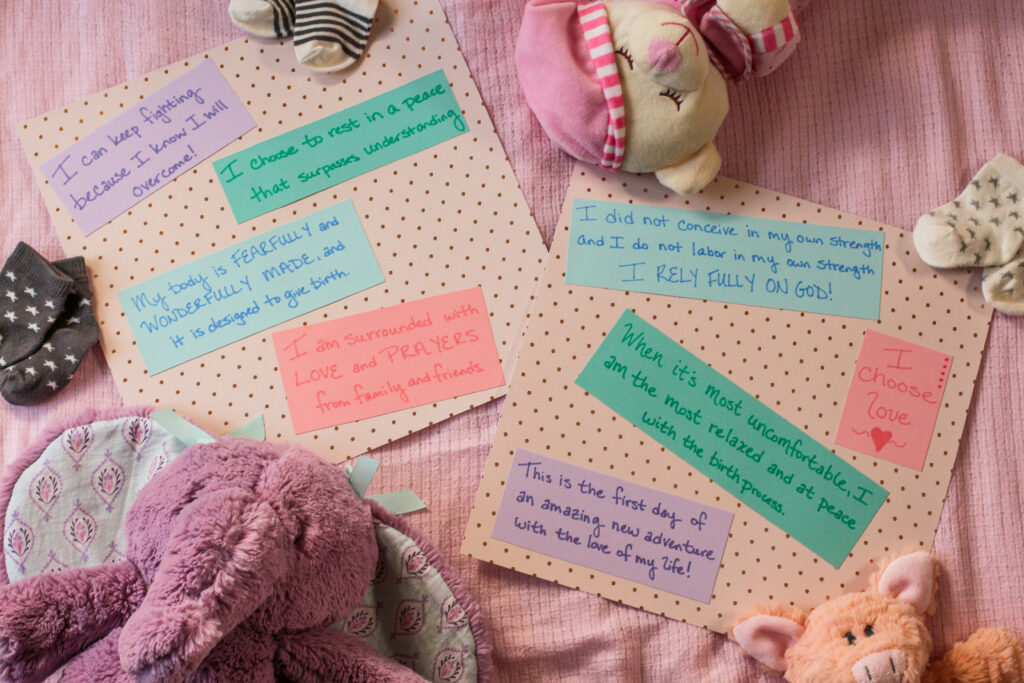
613	526
142	149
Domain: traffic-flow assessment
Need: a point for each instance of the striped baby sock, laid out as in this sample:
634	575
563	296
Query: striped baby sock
983	226
74	331
332	34
264	18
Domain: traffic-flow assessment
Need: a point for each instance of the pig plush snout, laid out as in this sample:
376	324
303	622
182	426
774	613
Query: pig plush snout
886	666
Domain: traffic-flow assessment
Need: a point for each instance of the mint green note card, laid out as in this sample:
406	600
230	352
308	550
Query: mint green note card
720	257
250	286
748	449
339	147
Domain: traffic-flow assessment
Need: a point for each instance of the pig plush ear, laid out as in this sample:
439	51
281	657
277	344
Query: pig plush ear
912	579
767	635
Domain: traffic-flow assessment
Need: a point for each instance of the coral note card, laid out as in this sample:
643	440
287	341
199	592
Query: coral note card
390	359
894	400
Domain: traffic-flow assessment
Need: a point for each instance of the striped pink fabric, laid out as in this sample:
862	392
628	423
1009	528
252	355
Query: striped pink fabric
738	55
598	36
774	45
737	42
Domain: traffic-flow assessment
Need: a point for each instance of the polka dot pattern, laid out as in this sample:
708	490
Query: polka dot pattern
799	364
445	219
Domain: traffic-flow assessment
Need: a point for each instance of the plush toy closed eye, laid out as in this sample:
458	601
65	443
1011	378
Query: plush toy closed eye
640	84
876	636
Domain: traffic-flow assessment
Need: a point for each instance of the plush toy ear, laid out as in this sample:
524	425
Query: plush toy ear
912	579
752	16
766	637
225	553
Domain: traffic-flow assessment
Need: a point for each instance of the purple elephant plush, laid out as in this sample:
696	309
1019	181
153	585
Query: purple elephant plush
240	554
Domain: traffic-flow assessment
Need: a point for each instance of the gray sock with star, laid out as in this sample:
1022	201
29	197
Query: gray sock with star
73	331
31	292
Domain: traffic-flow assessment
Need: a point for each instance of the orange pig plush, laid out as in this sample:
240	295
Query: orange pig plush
876	636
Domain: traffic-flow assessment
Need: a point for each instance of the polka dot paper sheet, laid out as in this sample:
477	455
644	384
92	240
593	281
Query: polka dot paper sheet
445	219
799	364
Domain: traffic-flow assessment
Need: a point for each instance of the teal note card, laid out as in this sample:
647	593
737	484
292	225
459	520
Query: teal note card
732	259
248	287
339	147
748	449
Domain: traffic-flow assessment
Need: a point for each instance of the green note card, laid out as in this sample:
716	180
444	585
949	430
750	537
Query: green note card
339	147
743	445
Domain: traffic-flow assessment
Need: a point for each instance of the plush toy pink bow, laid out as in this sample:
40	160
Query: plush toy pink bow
734	53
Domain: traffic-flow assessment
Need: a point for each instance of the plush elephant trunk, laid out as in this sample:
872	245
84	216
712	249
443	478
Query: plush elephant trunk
225	553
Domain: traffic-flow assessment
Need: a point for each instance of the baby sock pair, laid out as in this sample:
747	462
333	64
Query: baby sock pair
329	34
46	324
982	227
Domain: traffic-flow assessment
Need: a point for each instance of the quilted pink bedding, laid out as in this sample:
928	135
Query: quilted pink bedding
886	110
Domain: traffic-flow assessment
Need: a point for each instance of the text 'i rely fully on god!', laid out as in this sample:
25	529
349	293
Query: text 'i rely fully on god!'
726	258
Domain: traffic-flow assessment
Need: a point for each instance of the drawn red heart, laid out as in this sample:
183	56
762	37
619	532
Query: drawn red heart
880	438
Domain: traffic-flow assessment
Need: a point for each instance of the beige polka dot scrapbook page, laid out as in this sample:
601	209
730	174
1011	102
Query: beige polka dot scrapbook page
726	399
348	255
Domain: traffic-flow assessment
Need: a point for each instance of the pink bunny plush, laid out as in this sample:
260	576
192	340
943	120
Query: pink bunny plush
239	556
639	85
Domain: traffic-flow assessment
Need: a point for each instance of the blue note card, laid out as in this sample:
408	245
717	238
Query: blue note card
732	259
251	286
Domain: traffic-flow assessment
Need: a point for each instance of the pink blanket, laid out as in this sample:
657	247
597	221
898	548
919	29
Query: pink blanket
886	110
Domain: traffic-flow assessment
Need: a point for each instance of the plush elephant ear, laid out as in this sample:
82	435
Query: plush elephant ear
767	634
912	579
224	555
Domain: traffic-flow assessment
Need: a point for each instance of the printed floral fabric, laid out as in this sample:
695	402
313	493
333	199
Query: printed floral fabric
69	506
410	614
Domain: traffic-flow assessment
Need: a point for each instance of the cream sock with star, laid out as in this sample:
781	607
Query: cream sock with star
1003	286
984	226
